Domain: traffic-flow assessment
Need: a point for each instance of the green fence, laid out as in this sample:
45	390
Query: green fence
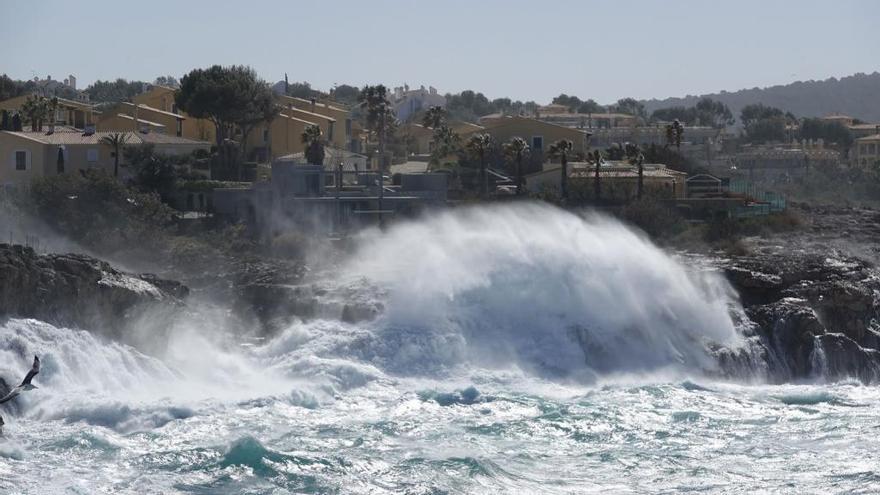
762	202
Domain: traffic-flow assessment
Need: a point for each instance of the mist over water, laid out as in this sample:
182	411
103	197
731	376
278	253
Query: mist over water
519	349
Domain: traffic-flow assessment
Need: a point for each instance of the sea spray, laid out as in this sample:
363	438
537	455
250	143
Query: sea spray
534	286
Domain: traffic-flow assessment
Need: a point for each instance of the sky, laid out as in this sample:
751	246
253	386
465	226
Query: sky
526	50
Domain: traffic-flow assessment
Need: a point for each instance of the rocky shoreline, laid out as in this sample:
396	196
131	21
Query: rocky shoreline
811	298
814	295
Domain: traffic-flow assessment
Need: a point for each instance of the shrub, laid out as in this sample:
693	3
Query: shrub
95	209
657	219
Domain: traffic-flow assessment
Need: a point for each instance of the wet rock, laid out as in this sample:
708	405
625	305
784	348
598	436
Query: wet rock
77	290
789	328
839	357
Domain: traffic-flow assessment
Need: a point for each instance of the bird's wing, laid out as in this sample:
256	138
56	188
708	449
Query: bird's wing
32	373
11	395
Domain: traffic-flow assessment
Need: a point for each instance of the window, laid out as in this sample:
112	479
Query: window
537	143
92	155
265	135
347	127
330	131
179	128
21	159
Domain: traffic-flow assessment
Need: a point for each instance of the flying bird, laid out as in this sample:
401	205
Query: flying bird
25	384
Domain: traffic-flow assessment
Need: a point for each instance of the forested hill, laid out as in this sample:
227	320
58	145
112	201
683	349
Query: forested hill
857	96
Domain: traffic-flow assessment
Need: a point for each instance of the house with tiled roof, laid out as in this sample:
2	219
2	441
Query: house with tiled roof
68	113
25	156
867	151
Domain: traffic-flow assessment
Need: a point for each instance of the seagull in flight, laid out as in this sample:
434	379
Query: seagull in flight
25	384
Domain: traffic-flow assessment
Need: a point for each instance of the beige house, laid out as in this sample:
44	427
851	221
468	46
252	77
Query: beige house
343	132
25	156
136	116
866	151
161	98
282	136
619	180
69	113
539	134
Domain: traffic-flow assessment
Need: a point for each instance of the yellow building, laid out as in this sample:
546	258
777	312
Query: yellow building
343	132
867	151
282	136
27	155
618	180
70	113
420	139
539	135
115	119
162	98
112	121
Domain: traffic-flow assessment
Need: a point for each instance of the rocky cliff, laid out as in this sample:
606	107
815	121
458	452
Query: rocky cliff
78	290
814	297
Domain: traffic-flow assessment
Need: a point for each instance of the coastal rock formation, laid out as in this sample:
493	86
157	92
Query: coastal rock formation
816	314
78	290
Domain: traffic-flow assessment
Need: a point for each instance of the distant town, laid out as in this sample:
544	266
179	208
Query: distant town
220	143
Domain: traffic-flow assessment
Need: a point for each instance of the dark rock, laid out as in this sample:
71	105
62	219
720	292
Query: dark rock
77	290
838	357
789	327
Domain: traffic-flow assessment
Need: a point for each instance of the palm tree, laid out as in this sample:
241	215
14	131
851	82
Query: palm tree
311	137
595	157
378	114
561	149
516	149
117	141
446	143
379	120
636	157
434	117
35	108
674	133
477	146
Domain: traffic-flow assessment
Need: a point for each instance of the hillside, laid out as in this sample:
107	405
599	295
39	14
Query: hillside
857	95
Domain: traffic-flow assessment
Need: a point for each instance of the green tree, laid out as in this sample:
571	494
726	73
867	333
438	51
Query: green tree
434	117
829	132
114	91
314	142
515	151
153	172
595	158
232	98
446	142
167	81
36	109
117	141
674	134
99	211
713	113
635	157
373	100
630	106
477	146
562	149
751	114
346	94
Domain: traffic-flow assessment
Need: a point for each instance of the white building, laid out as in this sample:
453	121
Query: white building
407	102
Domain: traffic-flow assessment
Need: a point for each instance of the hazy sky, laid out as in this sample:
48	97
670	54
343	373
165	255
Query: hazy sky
522	49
